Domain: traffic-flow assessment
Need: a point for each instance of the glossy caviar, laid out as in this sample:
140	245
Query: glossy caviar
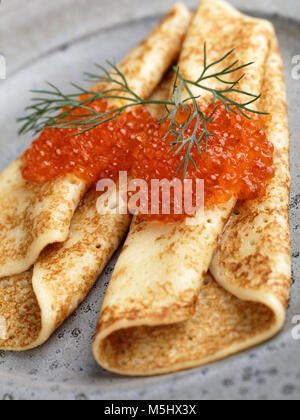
237	161
97	154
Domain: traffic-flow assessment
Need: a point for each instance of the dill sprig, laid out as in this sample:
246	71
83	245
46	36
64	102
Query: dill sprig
46	110
54	109
195	114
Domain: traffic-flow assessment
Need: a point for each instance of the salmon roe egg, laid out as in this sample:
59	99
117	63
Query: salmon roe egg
236	161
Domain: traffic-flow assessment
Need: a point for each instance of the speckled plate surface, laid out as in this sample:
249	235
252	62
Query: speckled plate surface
56	41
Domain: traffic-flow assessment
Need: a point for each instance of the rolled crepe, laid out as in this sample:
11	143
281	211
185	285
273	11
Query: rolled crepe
33	215
162	312
35	303
253	259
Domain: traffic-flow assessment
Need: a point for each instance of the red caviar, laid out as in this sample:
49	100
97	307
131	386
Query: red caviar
238	159
96	154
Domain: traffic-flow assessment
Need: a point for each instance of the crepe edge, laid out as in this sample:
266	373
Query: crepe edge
179	14
49	237
268	300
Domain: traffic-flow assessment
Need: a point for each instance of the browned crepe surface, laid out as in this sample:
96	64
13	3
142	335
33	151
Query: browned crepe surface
34	304
33	215
161	314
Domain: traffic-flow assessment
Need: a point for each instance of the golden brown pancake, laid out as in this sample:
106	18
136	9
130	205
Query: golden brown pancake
161	312
253	258
34	304
33	215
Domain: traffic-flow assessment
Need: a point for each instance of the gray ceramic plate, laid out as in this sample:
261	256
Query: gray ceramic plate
56	41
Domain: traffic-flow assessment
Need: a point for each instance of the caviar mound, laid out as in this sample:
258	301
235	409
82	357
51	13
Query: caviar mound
96	154
237	159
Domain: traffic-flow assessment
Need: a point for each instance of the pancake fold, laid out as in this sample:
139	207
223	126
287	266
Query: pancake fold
253	258
162	312
33	215
34	303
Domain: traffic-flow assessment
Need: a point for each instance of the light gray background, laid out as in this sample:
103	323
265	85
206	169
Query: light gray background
56	40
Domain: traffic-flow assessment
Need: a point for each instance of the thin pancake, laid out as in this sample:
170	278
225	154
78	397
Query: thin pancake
34	304
219	326
253	258
161	314
33	215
